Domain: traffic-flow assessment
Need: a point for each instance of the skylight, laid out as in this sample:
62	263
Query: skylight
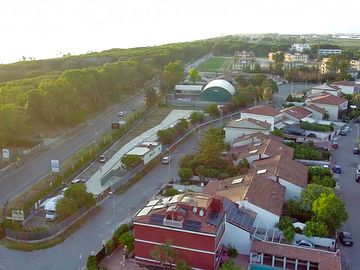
261	171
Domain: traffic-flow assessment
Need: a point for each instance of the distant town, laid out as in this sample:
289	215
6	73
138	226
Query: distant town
237	152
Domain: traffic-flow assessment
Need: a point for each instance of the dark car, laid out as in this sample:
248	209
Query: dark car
336	169
357	120
334	145
346	239
356	151
343	133
357	178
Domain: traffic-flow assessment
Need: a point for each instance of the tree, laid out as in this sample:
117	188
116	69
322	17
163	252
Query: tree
311	193
196	117
165	254
284	223
257	79
241	81
182	265
65	207
229	265
185	173
326	181
128	240
272	84
213	109
81	197
315	228
200	171
331	211
267	94
150	96
289	234
12	121
130	161
194	75
210	148
338	63
91	263
174	73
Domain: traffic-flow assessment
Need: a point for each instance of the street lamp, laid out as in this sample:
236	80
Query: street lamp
112	192
168	149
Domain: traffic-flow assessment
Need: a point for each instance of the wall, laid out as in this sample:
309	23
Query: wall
264	118
332	110
237	238
315	115
263	218
318	91
292	191
318	241
152	154
346	89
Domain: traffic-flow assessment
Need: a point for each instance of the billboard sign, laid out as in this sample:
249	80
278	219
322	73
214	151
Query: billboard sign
55	165
17	215
5	153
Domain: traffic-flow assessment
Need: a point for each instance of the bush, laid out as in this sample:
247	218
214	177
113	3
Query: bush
278	132
122	229
325	155
171	192
316	127
326	181
232	252
213	110
128	240
284	223
91	263
12	225
110	246
289	234
318	171
185	173
196	117
315	228
306	151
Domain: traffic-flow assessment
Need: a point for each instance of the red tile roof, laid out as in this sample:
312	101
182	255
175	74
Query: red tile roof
297	112
316	108
327	260
328	99
263	110
261	124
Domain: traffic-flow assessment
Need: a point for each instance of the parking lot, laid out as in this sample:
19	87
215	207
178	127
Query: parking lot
350	192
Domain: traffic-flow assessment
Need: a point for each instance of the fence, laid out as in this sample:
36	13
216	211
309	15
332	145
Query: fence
33	236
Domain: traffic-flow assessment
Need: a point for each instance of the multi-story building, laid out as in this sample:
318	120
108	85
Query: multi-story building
355	64
193	224
243	60
326	52
300	47
323	67
295	60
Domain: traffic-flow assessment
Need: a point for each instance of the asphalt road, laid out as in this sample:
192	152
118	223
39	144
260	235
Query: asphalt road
16	181
350	192
89	238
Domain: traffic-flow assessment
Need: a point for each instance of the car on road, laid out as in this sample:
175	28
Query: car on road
357	120
121	113
166	160
102	159
78	181
305	243
343	133
357	178
356	151
346	239
334	145
336	169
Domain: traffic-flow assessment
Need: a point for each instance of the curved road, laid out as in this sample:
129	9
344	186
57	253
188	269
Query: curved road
16	181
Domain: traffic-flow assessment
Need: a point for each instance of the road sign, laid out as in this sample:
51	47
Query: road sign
55	165
5	153
17	215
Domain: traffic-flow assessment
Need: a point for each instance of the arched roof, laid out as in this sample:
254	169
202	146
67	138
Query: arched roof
221	83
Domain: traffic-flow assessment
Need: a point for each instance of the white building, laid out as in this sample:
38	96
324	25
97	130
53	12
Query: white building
330	89
347	87
300	47
243	60
147	151
236	128
264	113
325	52
332	104
317	112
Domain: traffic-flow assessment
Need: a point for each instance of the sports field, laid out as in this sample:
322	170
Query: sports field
215	64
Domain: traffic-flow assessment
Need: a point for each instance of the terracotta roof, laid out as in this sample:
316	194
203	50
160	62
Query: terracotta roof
297	112
286	168
328	99
316	108
348	83
255	137
263	110
236	123
325	259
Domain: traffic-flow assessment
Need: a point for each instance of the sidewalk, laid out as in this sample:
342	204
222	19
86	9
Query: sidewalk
116	259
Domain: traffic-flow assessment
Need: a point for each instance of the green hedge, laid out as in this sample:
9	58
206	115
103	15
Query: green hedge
316	127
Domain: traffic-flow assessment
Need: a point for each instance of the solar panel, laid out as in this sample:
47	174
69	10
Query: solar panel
236	215
156	219
214	218
192	225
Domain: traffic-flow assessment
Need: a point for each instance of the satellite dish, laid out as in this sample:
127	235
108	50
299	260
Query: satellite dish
194	209
201	213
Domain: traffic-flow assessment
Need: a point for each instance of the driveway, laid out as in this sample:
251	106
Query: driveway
350	192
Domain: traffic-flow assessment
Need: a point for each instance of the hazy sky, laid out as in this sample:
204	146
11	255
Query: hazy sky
45	28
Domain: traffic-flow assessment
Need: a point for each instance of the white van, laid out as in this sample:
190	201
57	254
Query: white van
50	207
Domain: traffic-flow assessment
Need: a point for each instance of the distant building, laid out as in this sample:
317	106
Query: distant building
295	60
323	67
332	104
296	113
347	87
264	113
355	64
243	60
326	52
147	151
330	89
300	47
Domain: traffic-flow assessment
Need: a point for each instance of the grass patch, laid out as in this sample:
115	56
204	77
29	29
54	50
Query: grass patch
55	241
214	64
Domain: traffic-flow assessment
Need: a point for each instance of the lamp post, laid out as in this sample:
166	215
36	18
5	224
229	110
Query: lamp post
169	172
112	192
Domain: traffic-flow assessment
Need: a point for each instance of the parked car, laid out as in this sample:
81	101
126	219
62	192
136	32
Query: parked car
78	181
336	169
121	113
334	145
343	133
165	160
102	159
357	178
305	243
356	151
357	120
346	239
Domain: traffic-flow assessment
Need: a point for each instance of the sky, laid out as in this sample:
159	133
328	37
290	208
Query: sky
49	28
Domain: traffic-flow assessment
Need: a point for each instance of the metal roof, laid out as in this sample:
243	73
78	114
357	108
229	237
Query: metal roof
222	84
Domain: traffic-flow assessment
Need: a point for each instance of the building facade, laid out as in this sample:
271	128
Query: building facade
300	47
243	60
326	52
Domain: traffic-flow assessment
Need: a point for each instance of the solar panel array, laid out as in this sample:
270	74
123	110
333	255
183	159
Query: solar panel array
192	225
237	216
215	218
156	219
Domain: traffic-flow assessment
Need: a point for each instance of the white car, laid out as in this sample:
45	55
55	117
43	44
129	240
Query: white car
165	160
305	243
102	159
121	113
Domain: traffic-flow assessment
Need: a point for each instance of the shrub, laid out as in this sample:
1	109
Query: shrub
91	263
278	132
284	223
289	234
315	228
196	117
316	127
127	239
111	245
232	252
122	229
185	173
12	225
171	192
326	181
200	171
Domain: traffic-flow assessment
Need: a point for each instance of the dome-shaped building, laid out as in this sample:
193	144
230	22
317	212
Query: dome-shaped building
217	91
